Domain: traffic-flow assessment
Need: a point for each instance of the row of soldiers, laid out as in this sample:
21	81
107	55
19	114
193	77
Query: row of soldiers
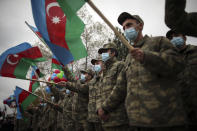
154	89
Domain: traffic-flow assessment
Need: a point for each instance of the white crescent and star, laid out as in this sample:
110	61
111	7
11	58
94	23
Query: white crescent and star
55	19
10	62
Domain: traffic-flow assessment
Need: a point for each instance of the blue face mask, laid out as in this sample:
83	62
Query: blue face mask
67	91
83	77
97	68
43	104
131	34
178	41
105	56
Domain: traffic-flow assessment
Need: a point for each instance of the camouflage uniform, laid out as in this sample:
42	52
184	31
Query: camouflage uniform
94	121
35	119
89	88
118	117
69	123
149	88
44	122
177	19
80	101
59	96
188	84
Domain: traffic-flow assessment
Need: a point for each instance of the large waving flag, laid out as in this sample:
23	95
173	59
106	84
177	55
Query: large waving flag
23	100
16	61
63	40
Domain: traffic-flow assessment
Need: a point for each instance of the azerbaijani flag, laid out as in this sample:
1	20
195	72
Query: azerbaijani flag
56	29
34	75
16	61
23	100
56	64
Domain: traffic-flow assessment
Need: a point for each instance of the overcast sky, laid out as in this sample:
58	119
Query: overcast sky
13	31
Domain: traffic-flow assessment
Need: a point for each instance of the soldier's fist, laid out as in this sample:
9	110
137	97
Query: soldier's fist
137	54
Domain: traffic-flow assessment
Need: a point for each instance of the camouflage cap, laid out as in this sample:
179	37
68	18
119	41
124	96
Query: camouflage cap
93	61
89	71
106	47
124	16
170	33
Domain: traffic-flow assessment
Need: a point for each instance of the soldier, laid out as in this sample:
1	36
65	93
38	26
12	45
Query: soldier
59	96
117	119
187	78
90	89
80	98
177	19
147	82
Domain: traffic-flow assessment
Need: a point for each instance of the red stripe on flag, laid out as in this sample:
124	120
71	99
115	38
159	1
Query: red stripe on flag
32	82
23	95
31	53
56	23
54	61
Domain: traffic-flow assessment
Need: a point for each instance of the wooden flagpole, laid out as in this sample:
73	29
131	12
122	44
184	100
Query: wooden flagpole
124	41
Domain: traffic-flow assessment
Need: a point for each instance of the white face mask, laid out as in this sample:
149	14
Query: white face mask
131	34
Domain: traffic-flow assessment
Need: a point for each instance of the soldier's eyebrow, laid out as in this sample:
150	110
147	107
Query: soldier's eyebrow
127	25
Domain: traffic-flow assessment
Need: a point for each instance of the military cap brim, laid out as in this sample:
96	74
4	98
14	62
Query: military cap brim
170	33
124	16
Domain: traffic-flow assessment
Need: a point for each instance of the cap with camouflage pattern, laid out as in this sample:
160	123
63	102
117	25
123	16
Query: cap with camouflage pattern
89	71
107	46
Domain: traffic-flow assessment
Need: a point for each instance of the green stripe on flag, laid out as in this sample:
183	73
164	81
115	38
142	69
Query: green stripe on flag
55	66
21	69
74	27
28	101
35	86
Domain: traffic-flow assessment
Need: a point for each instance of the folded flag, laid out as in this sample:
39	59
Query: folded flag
16	61
52	24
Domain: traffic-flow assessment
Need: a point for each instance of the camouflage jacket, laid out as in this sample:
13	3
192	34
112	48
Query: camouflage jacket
177	19
80	98
108	81
187	81
88	89
80	101
67	110
149	88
